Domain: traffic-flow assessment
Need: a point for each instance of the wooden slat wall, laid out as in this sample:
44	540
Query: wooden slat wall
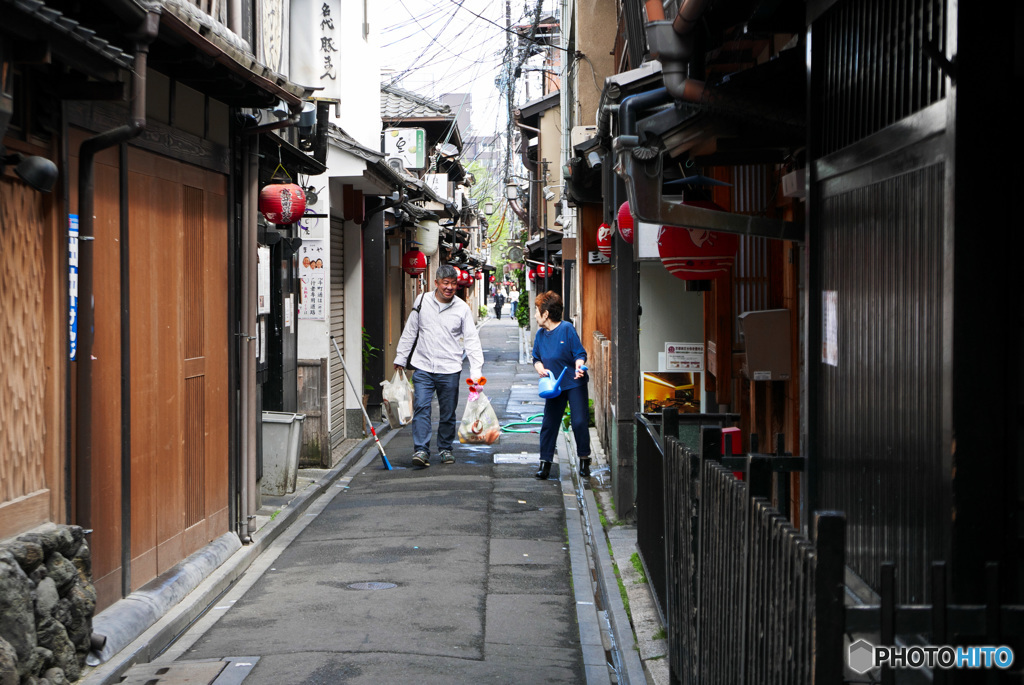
24	494
337	309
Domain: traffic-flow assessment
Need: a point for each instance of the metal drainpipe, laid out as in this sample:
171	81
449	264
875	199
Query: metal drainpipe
635	103
244	349
250	323
147	32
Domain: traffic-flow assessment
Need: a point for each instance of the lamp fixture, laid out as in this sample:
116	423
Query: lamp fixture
39	172
594	158
488	206
511	191
549	193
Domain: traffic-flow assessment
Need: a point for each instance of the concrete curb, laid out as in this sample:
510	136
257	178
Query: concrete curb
595	661
152	639
628	665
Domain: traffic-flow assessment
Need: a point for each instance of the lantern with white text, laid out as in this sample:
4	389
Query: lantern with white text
696	254
282	203
604	240
492	279
531	274
479	275
625	222
414	262
542	271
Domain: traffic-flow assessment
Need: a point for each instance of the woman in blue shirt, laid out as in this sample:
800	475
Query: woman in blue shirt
557	347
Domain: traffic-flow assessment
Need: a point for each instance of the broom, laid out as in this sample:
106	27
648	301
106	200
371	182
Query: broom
383	457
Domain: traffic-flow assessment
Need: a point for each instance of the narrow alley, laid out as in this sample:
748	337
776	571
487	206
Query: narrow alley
448	574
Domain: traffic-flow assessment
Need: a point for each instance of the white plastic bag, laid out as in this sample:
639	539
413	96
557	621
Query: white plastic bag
398	397
479	422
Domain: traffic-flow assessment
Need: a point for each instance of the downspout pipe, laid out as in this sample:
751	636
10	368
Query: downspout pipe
671	43
640	102
145	35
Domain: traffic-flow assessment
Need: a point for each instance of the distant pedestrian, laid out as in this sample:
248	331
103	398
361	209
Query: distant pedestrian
557	347
513	300
499	301
437	333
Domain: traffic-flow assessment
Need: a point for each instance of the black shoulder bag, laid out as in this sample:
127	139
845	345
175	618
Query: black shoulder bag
417	308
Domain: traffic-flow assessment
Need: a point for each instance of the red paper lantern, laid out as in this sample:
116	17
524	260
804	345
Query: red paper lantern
414	262
696	254
542	271
492	279
479	275
531	274
604	240
626	223
282	203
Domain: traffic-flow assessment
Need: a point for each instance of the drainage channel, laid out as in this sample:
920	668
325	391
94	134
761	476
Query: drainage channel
591	563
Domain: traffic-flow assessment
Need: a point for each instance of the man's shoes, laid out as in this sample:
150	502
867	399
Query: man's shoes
545	470
421	458
447	457
585	467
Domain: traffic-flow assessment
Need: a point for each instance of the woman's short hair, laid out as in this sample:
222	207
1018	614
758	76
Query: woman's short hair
550	302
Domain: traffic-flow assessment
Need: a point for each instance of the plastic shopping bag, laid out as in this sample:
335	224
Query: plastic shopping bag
397	396
479	422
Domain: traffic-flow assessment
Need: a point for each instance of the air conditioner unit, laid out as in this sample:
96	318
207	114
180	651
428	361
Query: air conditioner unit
794	184
580	134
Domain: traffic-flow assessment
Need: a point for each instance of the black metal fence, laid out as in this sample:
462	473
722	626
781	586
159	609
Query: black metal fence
739	588
748	599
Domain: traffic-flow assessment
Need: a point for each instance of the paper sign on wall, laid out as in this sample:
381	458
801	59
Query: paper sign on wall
684	357
312	302
830	326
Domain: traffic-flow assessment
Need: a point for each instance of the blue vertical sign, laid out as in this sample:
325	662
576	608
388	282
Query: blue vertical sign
73	280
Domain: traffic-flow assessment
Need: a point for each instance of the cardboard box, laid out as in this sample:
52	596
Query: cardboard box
767	339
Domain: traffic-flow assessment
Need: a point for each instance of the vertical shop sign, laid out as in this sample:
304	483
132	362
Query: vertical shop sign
311	277
263	280
73	281
327	43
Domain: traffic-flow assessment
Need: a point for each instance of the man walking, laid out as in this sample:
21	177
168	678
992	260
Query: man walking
439	329
499	301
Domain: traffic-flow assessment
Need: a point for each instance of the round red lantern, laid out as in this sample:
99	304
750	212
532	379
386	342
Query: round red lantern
604	240
542	271
282	203
492	279
696	254
531	274
479	275
626	223
414	262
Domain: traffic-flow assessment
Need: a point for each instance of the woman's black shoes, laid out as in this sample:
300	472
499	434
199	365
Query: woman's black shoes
545	470
584	467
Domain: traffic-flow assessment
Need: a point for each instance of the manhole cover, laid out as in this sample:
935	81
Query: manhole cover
521	458
373	585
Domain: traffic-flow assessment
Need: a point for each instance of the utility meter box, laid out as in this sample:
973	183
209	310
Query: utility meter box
766	335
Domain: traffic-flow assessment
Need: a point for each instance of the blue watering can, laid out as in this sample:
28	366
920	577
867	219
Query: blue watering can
551	387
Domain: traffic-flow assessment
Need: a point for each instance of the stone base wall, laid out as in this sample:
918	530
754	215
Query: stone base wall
47	602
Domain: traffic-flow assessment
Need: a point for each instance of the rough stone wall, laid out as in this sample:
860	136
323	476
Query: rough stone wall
47	602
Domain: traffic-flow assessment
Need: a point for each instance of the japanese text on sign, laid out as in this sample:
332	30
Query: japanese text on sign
312	303
684	357
327	42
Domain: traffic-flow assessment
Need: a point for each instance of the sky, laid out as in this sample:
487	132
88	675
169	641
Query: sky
432	47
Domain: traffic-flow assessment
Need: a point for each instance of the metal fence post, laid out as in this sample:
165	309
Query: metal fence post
829	620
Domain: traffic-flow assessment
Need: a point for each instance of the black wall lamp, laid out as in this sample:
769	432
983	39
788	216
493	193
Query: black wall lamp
39	172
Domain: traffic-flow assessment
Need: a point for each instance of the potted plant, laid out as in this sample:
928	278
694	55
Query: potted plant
369	352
